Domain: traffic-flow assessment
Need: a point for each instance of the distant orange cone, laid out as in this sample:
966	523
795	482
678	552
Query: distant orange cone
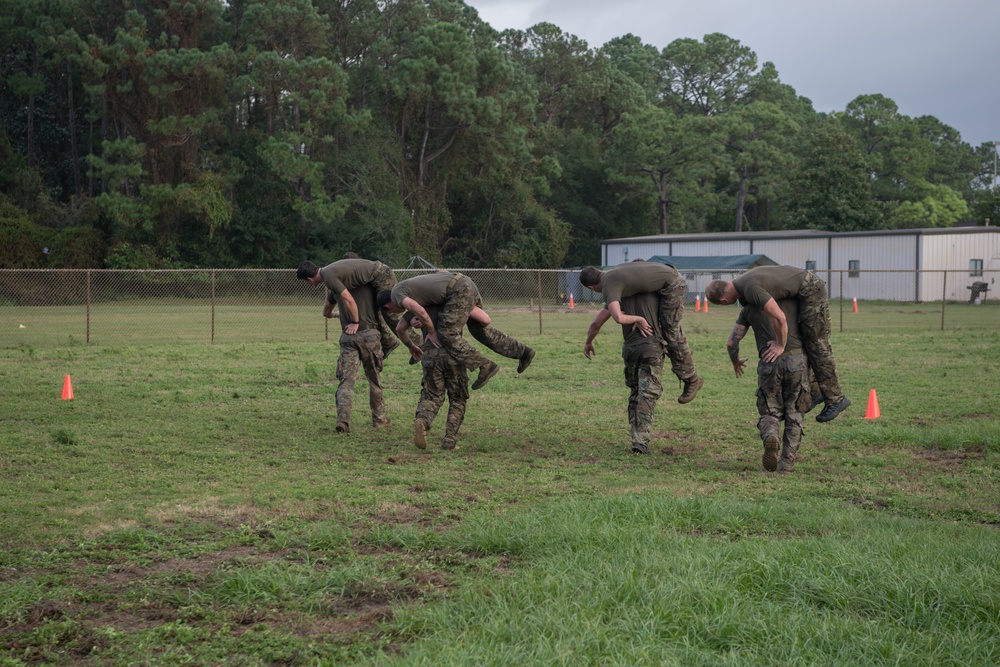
855	304
67	394
571	305
697	303
873	411
704	305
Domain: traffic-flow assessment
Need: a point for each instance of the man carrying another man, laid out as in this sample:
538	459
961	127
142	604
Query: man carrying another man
762	287
627	280
458	296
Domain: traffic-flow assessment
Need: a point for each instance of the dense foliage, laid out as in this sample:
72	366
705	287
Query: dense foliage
175	133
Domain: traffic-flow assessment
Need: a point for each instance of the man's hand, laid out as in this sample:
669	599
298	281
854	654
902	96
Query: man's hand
588	350
433	338
351	328
738	366
773	351
642	326
328	310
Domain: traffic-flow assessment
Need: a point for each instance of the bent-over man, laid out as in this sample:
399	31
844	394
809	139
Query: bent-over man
361	349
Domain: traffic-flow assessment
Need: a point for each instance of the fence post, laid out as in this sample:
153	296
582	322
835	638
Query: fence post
326	320
539	302
944	292
88	306
213	306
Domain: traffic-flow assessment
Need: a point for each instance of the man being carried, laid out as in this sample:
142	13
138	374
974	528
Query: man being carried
762	287
458	296
344	275
634	278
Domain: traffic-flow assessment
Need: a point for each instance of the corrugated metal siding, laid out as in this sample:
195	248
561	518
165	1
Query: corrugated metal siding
795	252
895	253
954	252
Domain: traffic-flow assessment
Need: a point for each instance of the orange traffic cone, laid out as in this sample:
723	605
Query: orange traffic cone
697	303
571	306
704	305
67	394
855	304
873	411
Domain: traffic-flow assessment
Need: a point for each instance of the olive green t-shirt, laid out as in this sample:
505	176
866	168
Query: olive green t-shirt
625	280
757	319
364	297
347	274
763	283
428	289
647	305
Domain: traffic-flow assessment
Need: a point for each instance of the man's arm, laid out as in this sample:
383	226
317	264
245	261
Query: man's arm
351	306
402	332
615	310
779	325
480	315
733	347
421	313
603	315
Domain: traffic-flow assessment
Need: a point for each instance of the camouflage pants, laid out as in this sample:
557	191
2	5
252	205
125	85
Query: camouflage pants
644	376
783	393
443	376
814	322
362	350
670	313
462	297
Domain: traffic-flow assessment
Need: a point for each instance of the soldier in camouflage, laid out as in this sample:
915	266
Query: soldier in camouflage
360	350
341	277
643	356
444	376
761	287
784	389
458	296
634	278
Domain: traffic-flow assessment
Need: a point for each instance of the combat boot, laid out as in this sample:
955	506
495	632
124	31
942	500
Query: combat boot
771	448
485	373
419	434
691	387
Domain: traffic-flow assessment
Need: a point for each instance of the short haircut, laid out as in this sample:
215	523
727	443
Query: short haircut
306	270
351	255
383	298
715	290
590	276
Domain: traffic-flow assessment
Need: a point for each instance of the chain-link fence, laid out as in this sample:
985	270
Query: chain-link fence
42	308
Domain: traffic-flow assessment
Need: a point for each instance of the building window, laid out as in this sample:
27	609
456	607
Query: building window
810	265
975	267
853	268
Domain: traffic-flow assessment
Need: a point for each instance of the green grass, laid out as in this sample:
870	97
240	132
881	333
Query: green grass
194	505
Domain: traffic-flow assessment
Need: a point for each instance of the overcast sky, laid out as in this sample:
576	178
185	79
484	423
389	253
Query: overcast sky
931	57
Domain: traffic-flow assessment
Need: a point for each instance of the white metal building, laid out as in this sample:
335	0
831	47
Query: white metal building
895	264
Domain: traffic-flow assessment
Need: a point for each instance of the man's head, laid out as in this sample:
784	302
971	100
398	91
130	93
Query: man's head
308	271
721	292
591	278
351	255
384	299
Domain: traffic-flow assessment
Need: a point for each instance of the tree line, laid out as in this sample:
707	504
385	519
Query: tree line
192	133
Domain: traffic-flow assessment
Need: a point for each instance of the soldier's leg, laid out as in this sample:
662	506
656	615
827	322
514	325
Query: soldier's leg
671	310
432	395
347	373
798	397
496	340
457	384
371	361
461	299
814	322
770	407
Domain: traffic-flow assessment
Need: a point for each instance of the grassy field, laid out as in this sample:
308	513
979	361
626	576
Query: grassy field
193	505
